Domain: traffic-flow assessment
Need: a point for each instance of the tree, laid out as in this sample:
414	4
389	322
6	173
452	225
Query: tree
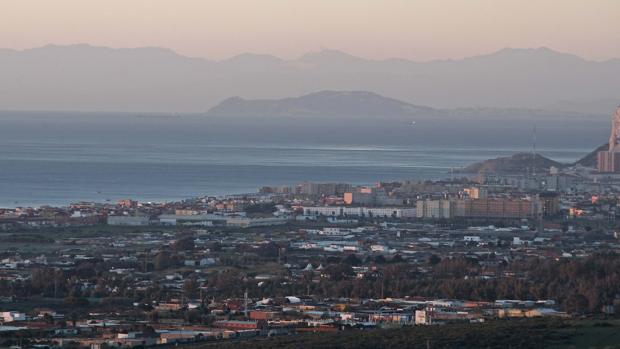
576	303
268	250
397	259
434	260
190	287
153	316
49	319
352	259
74	318
192	316
261	209
380	259
338	272
162	261
184	244
77	301
48	281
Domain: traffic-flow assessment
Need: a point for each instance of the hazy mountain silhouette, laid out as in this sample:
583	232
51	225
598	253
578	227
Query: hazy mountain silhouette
84	77
323	103
364	105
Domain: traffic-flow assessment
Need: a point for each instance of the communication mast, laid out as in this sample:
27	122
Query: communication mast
534	151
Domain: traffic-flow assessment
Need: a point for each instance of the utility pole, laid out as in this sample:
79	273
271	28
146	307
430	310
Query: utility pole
145	261
245	298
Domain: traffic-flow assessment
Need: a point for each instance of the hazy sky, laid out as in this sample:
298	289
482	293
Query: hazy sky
415	29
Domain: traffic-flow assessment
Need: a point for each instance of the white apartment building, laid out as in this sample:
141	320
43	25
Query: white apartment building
336	211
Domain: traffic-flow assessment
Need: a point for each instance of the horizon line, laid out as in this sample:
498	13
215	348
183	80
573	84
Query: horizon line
319	51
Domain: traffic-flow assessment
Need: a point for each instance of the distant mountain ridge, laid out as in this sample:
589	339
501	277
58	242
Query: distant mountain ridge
90	78
322	103
360	105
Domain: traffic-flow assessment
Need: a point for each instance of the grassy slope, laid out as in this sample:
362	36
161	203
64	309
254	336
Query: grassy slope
515	334
495	334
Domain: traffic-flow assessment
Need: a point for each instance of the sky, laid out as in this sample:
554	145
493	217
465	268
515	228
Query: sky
378	29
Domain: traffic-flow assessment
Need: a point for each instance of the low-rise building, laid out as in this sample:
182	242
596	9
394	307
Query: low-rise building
128	220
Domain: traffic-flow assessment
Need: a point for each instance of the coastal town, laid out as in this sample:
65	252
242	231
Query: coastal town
313	257
428	174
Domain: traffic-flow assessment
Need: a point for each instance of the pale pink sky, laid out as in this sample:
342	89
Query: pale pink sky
414	29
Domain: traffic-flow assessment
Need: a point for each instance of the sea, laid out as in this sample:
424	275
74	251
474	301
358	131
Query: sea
56	158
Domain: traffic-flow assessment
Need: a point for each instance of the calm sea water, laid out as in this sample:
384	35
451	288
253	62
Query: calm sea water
57	158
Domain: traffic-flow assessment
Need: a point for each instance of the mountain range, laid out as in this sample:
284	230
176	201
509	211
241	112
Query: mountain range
84	77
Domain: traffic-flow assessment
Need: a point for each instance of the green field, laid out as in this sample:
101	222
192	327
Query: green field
513	334
593	334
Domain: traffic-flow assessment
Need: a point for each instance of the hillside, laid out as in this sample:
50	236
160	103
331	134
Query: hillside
519	163
522	162
590	159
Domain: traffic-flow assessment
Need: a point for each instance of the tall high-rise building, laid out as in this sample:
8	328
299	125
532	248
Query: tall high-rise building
609	160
